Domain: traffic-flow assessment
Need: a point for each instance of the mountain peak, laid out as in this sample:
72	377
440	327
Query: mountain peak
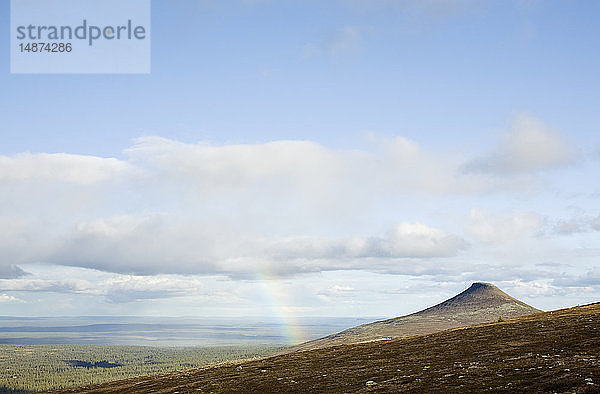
481	303
483	299
486	285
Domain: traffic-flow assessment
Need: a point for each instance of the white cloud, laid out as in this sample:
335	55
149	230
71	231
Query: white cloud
531	145
8	298
577	224
138	245
61	167
419	240
134	288
42	285
531	288
492	228
338	288
117	288
569	226
336	293
212	168
406	240
591	278
405	165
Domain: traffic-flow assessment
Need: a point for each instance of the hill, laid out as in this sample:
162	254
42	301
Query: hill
480	303
546	352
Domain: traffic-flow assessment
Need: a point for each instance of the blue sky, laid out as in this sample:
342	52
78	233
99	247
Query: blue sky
380	154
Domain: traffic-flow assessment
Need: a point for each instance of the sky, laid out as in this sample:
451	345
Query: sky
309	158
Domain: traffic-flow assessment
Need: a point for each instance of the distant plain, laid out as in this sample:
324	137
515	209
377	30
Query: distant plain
165	331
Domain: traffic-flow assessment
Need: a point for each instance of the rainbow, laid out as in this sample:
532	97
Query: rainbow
275	297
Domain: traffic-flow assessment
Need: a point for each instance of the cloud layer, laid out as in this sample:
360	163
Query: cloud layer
282	207
160	244
117	288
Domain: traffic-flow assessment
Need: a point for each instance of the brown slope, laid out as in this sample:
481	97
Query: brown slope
547	352
480	303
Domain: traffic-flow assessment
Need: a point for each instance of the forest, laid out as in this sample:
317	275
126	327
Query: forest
41	367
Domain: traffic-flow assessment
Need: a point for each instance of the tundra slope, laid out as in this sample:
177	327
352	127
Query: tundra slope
480	303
